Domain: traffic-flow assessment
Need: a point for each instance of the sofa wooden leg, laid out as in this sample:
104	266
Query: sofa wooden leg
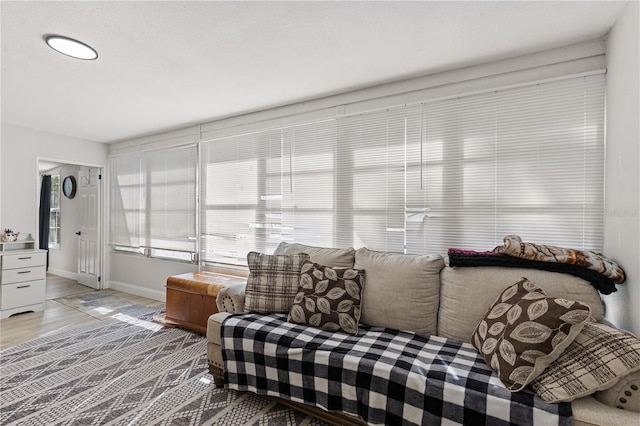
218	375
219	382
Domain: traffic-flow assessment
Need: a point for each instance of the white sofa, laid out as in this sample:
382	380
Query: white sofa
444	301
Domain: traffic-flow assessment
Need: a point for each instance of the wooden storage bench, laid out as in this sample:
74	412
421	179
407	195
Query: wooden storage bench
191	298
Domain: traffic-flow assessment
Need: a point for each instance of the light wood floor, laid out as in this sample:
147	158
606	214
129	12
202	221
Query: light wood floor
56	316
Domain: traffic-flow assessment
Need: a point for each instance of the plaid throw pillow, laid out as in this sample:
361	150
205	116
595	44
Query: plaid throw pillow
596	360
328	298
273	282
524	331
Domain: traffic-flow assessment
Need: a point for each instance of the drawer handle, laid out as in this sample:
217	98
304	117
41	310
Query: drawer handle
24	258
24	286
23	272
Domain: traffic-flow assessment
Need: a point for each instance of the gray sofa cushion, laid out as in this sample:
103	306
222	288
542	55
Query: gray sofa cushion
401	291
335	257
468	292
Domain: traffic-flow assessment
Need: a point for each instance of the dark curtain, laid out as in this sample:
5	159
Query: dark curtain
45	210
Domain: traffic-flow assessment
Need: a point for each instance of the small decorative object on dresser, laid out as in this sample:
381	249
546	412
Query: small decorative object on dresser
22	275
9	236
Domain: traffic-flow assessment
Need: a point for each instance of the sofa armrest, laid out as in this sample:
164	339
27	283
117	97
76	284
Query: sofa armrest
231	299
214	347
587	411
624	394
214	326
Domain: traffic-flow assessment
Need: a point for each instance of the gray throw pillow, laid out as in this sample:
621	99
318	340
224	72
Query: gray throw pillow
403	290
339	257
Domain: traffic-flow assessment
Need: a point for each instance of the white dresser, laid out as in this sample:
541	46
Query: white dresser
22	277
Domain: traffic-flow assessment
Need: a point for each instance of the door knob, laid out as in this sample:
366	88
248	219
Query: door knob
78	233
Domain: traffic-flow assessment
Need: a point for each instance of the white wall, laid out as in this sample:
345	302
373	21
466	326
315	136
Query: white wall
1	222
19	180
63	261
143	276
622	189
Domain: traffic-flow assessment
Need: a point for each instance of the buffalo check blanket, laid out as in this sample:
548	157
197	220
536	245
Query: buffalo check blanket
384	376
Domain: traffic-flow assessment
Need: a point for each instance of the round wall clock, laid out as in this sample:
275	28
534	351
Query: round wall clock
69	187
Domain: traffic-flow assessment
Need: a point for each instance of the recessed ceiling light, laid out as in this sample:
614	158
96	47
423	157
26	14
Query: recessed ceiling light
70	47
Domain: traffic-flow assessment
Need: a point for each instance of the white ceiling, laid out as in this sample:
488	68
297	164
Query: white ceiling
164	65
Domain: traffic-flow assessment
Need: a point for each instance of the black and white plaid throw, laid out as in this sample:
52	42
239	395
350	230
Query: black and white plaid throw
386	377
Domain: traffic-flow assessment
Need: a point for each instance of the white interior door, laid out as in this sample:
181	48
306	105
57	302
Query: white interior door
89	185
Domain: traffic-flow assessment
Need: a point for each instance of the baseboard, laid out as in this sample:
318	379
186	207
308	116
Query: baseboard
138	290
64	274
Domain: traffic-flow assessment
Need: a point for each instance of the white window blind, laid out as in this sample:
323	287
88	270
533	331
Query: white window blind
237	194
266	187
153	200
308	194
126	200
171	198
527	161
460	172
371	153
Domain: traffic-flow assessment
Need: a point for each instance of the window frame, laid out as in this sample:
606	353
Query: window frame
55	212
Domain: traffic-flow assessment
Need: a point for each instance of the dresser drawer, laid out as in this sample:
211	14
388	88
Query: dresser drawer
22	294
23	260
11	276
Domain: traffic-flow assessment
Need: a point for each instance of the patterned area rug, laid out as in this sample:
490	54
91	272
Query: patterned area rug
99	304
126	370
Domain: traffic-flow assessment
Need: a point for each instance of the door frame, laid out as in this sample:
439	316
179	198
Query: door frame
101	210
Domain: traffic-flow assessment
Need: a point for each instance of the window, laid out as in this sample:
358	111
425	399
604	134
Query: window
54	215
266	187
309	184
527	161
372	158
153	203
459	172
126	192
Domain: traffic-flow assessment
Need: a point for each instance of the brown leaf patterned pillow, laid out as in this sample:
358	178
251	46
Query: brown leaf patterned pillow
328	298
524	331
